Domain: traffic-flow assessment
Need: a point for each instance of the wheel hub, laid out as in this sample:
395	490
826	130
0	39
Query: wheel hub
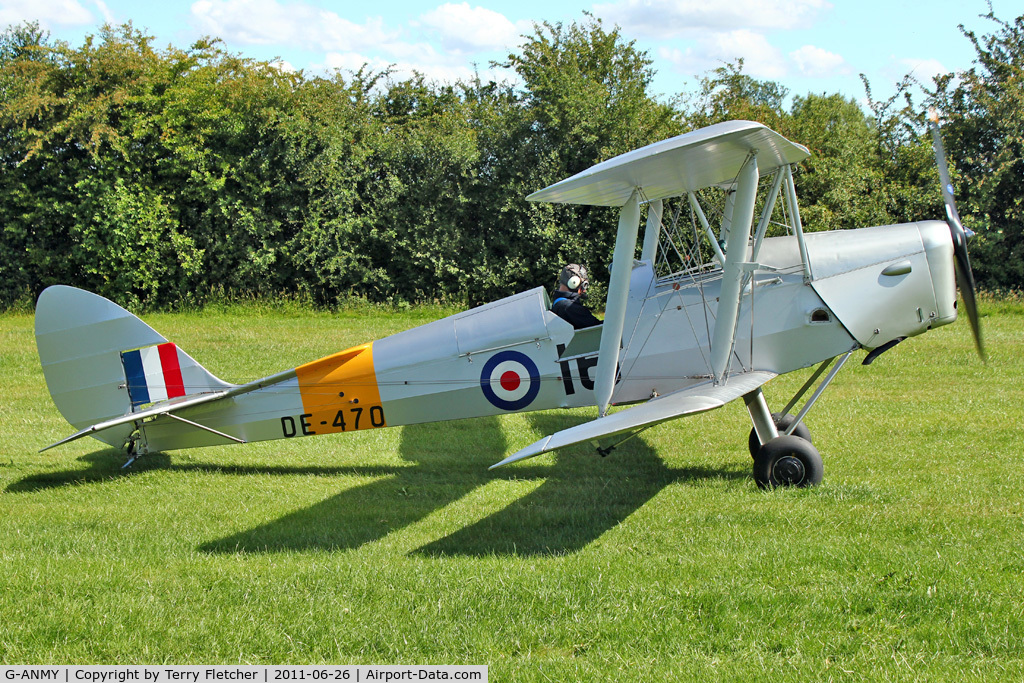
789	471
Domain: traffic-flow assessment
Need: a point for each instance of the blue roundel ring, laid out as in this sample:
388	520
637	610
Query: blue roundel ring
488	380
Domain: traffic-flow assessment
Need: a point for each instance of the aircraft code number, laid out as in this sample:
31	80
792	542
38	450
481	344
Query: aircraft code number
583	368
344	420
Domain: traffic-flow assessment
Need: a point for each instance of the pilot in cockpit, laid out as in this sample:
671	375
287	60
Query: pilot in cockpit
567	300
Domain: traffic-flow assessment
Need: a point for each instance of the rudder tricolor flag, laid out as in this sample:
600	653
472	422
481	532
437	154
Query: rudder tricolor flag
153	374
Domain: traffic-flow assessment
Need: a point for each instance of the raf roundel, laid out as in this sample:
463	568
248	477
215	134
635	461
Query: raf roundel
510	380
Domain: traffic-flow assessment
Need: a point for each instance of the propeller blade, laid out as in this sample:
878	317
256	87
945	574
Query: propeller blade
940	161
964	276
965	281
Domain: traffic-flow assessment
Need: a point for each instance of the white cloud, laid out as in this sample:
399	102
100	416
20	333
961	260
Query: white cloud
760	58
417	53
412	59
665	19
924	70
462	28
284	66
816	62
48	13
108	16
270	22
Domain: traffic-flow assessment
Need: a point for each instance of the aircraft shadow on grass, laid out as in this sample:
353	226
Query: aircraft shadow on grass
106	465
579	498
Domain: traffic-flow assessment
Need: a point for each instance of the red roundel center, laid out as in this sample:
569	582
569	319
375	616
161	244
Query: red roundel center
510	380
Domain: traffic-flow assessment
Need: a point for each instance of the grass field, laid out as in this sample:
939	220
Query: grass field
661	562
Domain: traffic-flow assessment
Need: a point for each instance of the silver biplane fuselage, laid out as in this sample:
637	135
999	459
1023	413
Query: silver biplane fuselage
682	333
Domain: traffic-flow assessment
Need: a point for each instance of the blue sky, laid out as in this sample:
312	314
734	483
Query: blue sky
806	45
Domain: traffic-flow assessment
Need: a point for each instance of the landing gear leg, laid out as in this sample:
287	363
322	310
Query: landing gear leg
765	428
782	423
780	443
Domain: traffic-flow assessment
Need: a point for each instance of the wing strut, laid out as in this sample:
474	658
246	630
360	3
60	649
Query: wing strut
652	232
615	309
736	250
205	428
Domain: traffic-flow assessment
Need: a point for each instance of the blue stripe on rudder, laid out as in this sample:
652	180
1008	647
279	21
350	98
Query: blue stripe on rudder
138	390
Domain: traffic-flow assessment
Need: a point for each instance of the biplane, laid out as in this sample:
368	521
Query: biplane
700	312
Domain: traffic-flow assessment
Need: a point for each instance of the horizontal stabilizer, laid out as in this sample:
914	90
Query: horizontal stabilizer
162	409
695	399
175	405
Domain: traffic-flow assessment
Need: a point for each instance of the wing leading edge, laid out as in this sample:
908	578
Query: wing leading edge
695	399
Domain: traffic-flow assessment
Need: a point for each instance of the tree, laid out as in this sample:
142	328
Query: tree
984	134
840	184
143	175
26	57
727	94
585	98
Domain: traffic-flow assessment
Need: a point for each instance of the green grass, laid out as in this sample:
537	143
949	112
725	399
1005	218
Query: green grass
662	561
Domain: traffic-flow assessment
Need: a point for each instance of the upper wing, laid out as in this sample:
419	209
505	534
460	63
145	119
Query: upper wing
673	167
695	399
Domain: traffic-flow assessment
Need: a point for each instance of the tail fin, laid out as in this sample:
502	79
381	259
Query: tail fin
102	362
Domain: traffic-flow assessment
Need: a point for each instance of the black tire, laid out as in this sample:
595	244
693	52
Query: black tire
788	461
781	425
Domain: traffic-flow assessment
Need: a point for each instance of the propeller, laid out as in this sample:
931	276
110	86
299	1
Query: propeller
960	235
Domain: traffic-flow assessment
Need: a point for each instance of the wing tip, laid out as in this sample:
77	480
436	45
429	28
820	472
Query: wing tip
531	451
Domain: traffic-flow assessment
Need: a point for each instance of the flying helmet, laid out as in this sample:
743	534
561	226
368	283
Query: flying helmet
574	276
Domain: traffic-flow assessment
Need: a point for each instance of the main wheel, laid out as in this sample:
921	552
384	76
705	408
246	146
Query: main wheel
782	423
788	461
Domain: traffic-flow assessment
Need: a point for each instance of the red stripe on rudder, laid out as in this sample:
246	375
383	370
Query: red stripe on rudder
172	370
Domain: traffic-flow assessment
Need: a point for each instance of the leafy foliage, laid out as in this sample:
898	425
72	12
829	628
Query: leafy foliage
585	99
158	177
985	126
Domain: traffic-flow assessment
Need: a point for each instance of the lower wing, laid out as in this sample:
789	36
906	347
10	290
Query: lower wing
696	399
